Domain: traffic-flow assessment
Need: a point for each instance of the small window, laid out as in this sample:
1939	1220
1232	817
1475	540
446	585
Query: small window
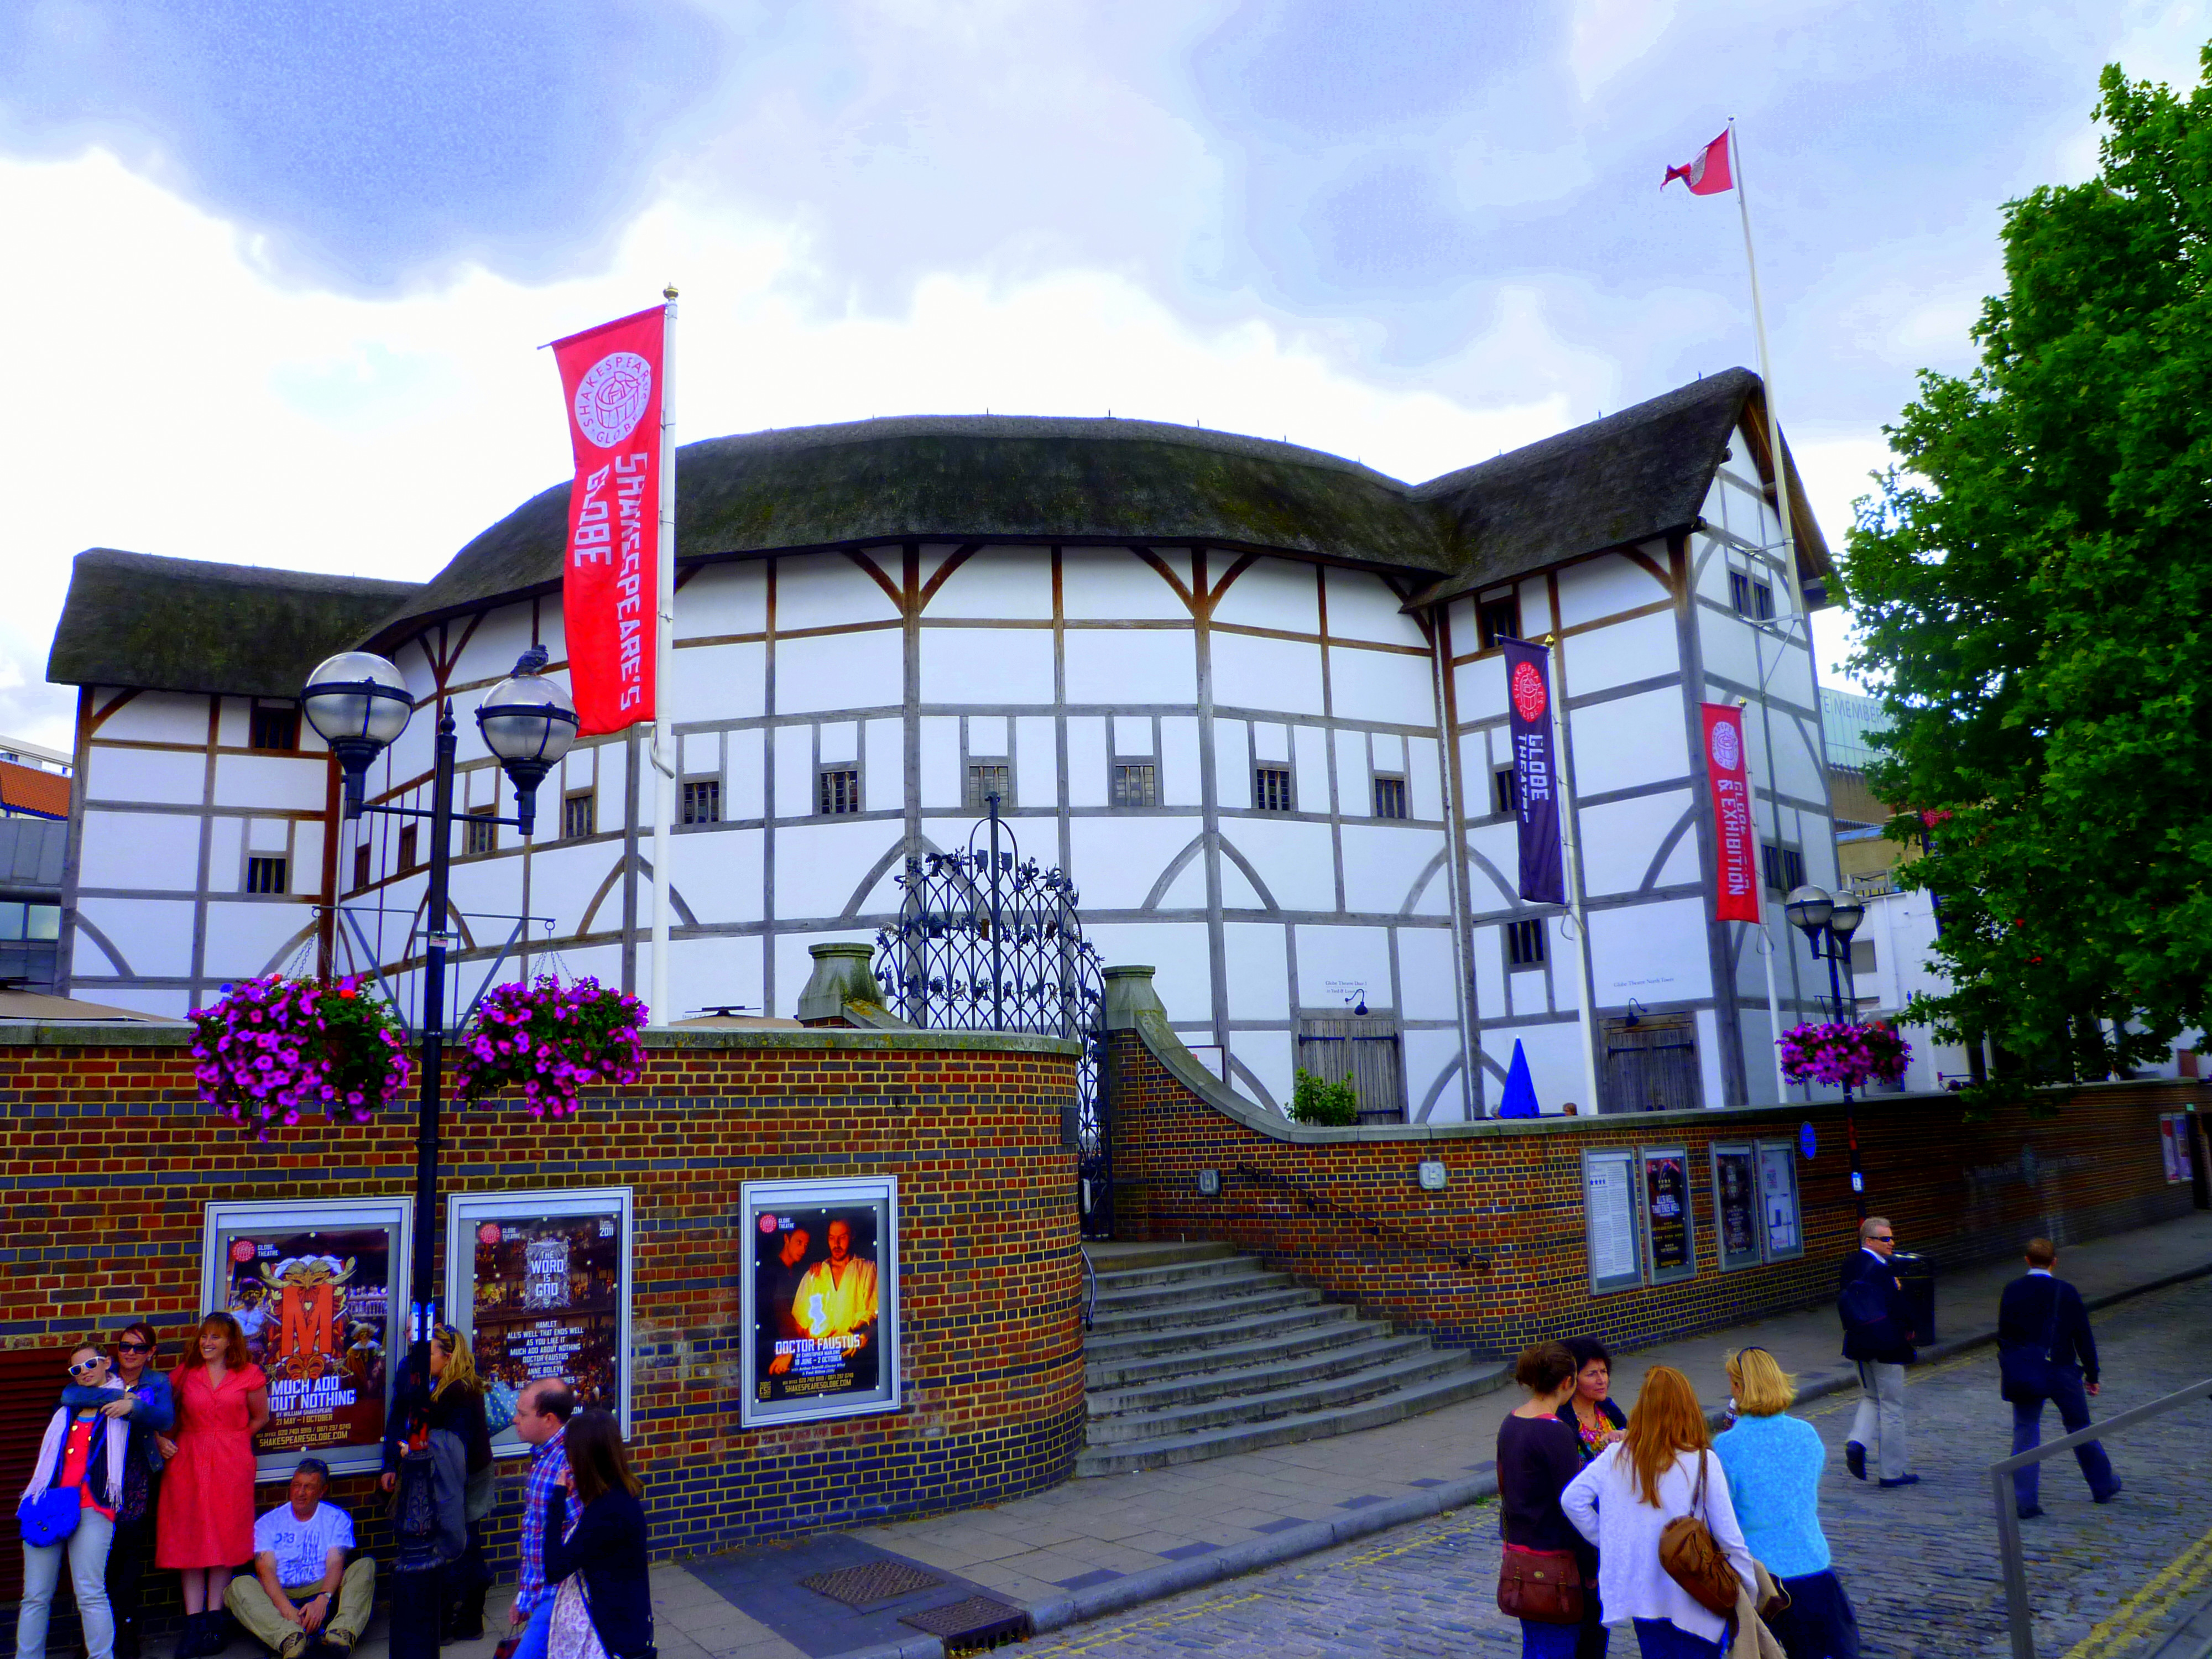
361	866
264	875
1751	597
1505	790
837	790
1271	789
407	845
1389	798
273	728
1862	957
986	779
42	922
1784	867
1136	783
1498	619
481	834
580	814
14	919
1524	943
703	801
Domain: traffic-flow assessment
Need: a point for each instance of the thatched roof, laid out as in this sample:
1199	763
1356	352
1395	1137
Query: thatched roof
183	625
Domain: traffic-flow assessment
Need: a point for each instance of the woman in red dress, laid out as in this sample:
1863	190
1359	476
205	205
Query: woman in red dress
206	1526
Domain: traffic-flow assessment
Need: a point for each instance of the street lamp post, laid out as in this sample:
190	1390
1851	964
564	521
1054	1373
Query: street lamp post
360	703
1828	921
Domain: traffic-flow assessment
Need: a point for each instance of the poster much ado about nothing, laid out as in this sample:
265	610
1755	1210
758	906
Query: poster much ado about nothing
821	1300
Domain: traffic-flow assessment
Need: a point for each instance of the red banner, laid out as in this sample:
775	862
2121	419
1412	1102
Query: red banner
611	377
1735	885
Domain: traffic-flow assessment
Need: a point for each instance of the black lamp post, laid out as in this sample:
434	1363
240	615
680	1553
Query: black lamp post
1828	921
360	704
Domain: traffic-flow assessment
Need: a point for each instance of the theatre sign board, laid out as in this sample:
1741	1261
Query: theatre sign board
820	1299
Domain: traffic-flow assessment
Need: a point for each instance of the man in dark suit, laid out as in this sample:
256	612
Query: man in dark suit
2045	1352
1870	1302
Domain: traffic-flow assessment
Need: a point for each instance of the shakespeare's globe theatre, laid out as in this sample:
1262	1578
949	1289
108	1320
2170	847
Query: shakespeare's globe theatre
1245	694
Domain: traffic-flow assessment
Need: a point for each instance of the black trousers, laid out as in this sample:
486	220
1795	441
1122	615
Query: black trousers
128	1558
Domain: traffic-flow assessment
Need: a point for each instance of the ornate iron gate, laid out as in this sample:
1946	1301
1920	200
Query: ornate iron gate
989	941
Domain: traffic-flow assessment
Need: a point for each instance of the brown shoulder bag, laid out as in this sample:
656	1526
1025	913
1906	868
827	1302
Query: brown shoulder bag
1542	1586
1693	1560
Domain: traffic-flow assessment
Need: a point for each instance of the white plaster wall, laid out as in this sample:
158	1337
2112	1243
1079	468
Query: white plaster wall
1387	687
1629	741
1270	593
247	937
1354	782
1118	667
1607	585
1256	957
154	852
1654	952
1277	675
717	682
1479	687
1087	777
986	665
1341	954
1107	584
828	590
1309	753
1381	863
153	935
1233	765
1432	1079
1117	860
1362	606
998	582
1293	858
166	777
153	717
300	782
1555	1065
840	671
1620	838
1621	653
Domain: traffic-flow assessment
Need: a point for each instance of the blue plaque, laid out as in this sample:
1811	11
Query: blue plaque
1806	1143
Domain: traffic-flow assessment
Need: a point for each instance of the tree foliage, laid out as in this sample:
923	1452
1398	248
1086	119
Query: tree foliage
2031	584
1325	1105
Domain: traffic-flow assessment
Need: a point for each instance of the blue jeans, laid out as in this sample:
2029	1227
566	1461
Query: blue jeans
537	1634
2073	1402
85	1553
1548	1641
1662	1639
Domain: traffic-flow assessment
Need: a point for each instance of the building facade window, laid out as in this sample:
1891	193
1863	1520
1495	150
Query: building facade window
1389	797
265	875
838	791
480	835
580	814
1524	943
408	843
1498	619
986	779
1504	791
1136	783
703	801
26	919
1335	1045
273	728
1271	789
1751	597
361	865
1784	867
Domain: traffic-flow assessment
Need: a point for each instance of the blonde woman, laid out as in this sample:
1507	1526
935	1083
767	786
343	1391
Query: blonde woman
1623	1500
454	1406
1774	1463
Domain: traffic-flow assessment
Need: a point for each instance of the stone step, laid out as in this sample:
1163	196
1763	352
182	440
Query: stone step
1392	1406
1340	1389
1170	1297
1270	1371
1109	1256
1211	1309
1177	1273
1178	1361
1106	1347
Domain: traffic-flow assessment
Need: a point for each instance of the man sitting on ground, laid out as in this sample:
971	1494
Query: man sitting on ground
301	1592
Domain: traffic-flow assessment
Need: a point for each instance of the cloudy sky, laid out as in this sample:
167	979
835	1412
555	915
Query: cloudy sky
275	272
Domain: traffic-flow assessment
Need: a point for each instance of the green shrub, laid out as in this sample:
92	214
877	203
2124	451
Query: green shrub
1325	1105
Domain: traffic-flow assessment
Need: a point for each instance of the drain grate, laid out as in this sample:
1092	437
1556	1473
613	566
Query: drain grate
977	1622
871	1582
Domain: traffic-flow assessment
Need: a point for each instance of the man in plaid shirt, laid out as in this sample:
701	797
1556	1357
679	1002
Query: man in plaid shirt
541	1417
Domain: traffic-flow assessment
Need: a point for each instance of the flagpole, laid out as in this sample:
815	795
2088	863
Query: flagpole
664	733
1575	907
1767	387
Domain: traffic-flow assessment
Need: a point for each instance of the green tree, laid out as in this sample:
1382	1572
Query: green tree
2031	584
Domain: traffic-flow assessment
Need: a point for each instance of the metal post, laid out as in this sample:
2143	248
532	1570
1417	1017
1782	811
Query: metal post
997	979
1851	1118
425	1296
2017	1611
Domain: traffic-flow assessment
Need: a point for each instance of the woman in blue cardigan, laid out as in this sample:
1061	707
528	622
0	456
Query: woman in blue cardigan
1774	1463
595	1552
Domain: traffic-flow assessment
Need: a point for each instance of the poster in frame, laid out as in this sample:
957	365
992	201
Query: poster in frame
321	1288
1782	1227
1613	1239
820	1299
1670	1222
541	1282
1737	1216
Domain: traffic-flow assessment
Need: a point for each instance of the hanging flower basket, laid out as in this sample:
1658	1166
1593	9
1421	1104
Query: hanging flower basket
551	1040
273	1050
1852	1054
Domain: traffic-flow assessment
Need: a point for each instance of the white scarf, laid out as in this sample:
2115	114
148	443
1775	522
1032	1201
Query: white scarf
50	1450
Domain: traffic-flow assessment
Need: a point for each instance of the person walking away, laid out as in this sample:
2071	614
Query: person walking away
596	1557
302	1591
149	1411
2046	1352
1538	1454
426	1471
205	1527
1661	1469
456	1404
80	1455
1774	1462
1589	1410
542	1411
1871	1302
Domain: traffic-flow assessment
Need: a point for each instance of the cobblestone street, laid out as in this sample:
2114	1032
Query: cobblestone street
1920	1562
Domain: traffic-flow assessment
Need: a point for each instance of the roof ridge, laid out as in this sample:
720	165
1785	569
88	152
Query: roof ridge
249	575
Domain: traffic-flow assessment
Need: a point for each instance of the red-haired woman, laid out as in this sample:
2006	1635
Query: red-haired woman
206	1523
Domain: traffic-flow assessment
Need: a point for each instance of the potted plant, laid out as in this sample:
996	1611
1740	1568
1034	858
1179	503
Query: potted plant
1851	1056
275	1049
550	1040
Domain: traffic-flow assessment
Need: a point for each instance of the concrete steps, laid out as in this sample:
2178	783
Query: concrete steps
1196	1353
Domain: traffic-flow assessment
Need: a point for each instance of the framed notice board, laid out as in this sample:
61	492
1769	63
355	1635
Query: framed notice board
1781	1228
1670	1224
1610	1220
1738	1220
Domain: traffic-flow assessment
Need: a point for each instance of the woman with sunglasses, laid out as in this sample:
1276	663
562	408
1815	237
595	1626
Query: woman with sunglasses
205	1528
149	1411
1774	1462
83	1452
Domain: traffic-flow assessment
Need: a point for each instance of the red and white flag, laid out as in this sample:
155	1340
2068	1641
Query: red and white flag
1706	175
612	378
1735	883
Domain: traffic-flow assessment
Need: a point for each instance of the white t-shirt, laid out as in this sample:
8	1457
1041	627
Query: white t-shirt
302	1548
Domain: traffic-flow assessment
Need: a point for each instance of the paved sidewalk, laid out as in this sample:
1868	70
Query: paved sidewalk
1091	1548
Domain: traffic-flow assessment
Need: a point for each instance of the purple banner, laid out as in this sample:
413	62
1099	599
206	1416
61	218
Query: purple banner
1535	771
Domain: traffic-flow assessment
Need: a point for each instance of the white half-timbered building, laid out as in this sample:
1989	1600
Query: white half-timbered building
1246	693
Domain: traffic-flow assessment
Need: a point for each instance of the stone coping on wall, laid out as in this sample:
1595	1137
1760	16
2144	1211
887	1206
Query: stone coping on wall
92	1034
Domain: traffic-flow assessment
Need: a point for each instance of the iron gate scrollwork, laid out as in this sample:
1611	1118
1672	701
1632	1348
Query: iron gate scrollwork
987	940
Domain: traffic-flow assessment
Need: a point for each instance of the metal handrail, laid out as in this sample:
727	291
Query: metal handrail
2017	1610
1376	1227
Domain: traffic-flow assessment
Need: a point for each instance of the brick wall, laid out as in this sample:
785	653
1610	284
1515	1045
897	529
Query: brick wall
1513	1200
108	1161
